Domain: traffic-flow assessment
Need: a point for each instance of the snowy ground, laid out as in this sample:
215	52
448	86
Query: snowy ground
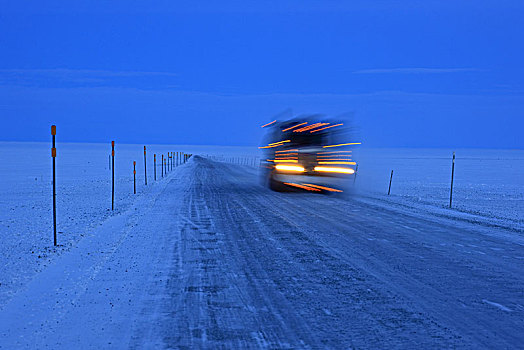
488	183
208	258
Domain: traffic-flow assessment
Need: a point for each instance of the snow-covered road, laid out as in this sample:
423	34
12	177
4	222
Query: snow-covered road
210	259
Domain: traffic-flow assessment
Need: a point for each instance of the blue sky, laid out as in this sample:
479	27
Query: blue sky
412	73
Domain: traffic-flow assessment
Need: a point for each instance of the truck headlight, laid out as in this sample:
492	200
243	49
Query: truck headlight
329	169
295	168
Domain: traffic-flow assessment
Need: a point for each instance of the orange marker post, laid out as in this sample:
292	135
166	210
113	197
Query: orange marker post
53	155
112	175
390	178
452	174
145	166
134	177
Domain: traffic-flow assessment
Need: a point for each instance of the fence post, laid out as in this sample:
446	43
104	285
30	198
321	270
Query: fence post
154	164
391	178
452	175
53	155
134	177
112	175
162	165
145	166
355	177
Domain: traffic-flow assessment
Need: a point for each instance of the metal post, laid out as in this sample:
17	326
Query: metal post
145	166
154	164
391	178
53	155
162	165
134	177
452	175
112	175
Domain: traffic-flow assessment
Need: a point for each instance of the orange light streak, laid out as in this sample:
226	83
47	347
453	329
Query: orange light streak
263	126
333	152
320	124
302	186
287	150
275	144
294	126
333	155
309	127
285	161
327	127
324	188
343	144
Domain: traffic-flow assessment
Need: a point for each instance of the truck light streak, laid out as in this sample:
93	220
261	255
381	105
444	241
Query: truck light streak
275	144
309	127
326	161
324	188
327	127
302	186
343	144
268	124
287	150
284	167
334	170
294	126
324	152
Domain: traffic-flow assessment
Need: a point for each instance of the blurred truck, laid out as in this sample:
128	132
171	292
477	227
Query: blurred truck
307	153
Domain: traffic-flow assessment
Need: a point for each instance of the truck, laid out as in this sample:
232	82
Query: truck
307	154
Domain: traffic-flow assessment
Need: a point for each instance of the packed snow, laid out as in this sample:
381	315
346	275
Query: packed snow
206	257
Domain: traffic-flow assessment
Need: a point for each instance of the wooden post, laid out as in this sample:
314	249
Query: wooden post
391	178
154	164
112	175
452	175
162	165
134	177
53	155
145	166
